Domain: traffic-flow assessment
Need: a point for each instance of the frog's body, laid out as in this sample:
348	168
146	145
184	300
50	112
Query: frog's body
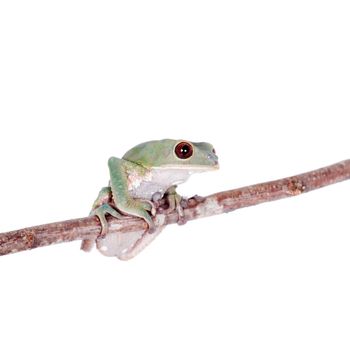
151	169
154	181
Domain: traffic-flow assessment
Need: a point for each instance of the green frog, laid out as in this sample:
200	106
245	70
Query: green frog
147	173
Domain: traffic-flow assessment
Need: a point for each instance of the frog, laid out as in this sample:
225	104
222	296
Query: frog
146	174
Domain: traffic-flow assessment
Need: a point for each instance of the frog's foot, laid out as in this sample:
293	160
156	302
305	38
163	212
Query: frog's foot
147	206
141	208
175	203
100	212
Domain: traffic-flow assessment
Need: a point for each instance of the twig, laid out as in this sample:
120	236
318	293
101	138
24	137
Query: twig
218	203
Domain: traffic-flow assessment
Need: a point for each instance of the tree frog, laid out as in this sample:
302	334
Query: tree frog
147	173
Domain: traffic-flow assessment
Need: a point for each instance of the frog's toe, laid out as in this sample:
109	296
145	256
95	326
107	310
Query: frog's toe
103	221
149	221
101	212
151	228
181	219
148	205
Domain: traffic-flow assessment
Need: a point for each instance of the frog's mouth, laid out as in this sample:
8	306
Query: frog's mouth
190	168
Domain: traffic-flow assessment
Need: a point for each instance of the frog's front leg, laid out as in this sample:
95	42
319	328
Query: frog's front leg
174	203
118	169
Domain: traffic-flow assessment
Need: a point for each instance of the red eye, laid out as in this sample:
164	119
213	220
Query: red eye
183	150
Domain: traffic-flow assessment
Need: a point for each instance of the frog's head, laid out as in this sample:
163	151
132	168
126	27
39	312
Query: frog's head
174	154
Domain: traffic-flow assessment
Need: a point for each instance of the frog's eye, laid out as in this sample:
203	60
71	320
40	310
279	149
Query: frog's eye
183	150
214	151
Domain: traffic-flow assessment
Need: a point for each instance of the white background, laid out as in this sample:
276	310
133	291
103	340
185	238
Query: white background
267	82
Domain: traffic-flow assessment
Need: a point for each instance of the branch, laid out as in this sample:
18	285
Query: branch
196	208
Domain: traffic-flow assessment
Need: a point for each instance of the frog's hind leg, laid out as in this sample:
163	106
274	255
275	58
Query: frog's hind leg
100	208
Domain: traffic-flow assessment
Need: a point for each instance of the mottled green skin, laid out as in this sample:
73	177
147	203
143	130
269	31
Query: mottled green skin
137	166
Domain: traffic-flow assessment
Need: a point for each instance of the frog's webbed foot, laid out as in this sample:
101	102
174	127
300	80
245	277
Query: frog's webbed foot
141	208
101	212
127	245
175	203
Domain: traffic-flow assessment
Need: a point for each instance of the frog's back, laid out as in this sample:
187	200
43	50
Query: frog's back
151	153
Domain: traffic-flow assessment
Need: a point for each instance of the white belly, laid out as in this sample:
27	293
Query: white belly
155	181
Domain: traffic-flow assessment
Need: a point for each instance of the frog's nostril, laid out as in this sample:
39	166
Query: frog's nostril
213	157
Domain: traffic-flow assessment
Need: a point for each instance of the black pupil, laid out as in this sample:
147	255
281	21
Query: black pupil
185	149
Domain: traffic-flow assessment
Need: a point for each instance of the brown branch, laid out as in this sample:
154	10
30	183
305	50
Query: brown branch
218	203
